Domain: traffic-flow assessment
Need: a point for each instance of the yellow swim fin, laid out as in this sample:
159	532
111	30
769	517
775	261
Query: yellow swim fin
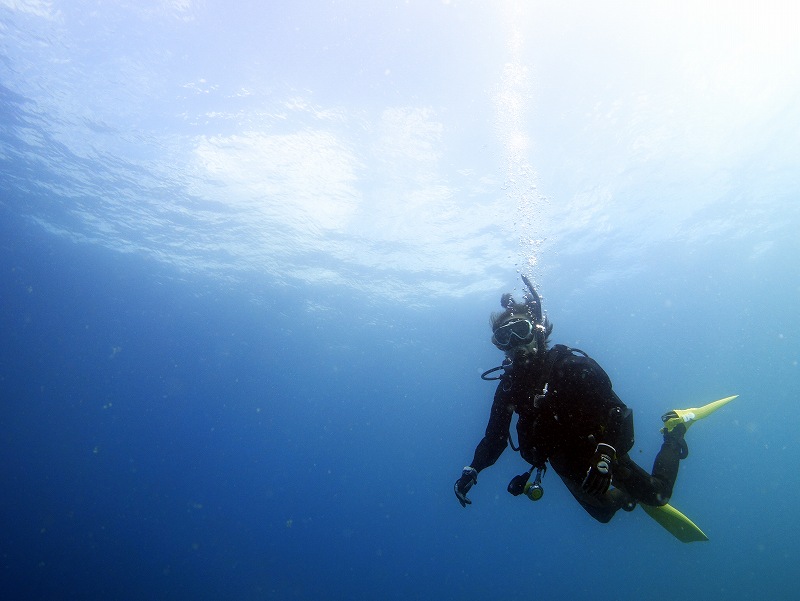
672	520
689	416
677	524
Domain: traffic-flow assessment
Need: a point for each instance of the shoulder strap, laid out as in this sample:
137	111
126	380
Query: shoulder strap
555	354
558	353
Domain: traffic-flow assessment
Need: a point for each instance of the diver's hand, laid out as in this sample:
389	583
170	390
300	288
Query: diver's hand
469	476
598	478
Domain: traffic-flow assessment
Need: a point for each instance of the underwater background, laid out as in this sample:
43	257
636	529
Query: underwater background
248	252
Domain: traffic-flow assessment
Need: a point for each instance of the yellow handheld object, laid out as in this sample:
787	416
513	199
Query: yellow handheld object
689	416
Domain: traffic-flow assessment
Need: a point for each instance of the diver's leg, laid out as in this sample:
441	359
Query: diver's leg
602	507
655	488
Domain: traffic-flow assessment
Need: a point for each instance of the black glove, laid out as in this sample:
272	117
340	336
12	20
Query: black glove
469	476
598	478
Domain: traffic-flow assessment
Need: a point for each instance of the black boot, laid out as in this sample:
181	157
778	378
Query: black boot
675	437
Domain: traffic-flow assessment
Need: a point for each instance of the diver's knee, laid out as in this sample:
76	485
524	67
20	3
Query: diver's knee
661	499
657	499
601	514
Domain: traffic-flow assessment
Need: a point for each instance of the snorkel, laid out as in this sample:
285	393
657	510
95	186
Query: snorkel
534	303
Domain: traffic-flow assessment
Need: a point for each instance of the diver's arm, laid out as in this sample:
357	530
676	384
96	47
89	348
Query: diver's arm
595	407
495	439
620	426
489	448
616	416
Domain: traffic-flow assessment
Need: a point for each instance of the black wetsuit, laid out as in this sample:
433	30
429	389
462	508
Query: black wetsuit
566	406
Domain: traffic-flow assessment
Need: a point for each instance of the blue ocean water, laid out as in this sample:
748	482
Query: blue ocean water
248	256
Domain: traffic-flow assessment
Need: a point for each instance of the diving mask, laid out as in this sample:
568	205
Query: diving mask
515	332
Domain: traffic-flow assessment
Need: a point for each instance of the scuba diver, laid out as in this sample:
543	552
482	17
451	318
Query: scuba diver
569	416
